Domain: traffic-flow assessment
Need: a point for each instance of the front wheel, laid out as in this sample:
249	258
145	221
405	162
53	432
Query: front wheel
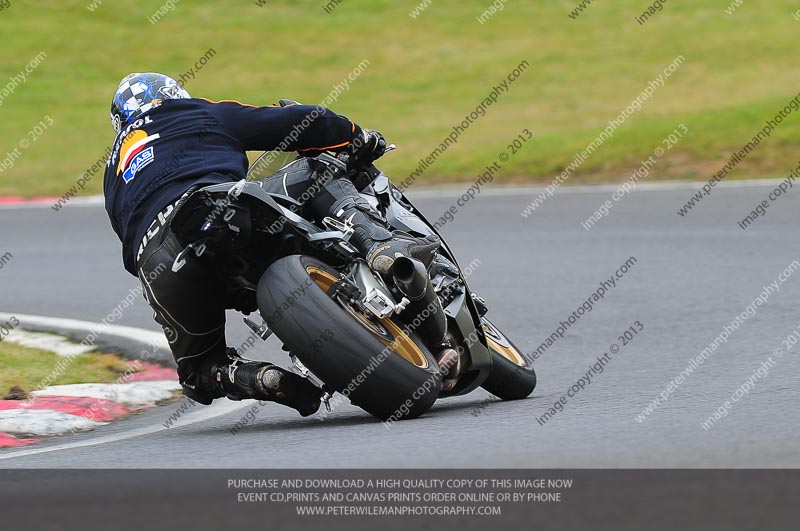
382	369
512	376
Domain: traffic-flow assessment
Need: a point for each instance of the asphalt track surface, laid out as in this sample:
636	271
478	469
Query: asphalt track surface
693	275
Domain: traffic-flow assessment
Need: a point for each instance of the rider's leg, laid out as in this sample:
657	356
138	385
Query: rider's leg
371	234
239	378
190	306
337	197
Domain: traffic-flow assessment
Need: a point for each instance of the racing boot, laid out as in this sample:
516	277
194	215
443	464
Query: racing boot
380	245
340	199
239	379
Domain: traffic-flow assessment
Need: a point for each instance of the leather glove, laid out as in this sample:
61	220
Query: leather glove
366	148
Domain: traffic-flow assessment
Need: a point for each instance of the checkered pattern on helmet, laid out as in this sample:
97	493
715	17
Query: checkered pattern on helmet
138	93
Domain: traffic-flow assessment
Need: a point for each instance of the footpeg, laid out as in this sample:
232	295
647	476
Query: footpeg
302	370
334	224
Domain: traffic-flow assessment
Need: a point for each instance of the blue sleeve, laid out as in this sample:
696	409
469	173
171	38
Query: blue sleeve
304	128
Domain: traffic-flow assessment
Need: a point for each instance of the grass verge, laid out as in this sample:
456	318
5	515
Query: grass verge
28	368
424	75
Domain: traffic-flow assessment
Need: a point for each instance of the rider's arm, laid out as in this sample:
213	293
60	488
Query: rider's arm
305	128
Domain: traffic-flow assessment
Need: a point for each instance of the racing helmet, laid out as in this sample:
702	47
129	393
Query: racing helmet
138	93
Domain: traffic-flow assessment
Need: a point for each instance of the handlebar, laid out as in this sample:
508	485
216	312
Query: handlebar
344	157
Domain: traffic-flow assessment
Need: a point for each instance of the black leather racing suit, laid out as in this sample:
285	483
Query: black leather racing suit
183	145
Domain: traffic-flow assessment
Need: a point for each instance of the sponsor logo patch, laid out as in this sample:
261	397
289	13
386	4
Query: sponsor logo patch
134	154
142	159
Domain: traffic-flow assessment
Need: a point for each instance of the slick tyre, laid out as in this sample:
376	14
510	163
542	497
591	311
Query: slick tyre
385	372
512	376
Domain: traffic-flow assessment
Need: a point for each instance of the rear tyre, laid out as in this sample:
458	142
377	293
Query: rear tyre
382	370
512	376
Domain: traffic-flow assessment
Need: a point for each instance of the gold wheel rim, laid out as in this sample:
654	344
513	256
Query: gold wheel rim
507	351
402	345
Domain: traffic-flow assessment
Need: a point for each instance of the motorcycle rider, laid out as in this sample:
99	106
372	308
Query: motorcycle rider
169	144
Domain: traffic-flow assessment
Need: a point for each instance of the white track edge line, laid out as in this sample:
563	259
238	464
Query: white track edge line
137	334
499	190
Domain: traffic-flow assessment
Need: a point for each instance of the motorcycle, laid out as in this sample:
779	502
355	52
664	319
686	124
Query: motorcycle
371	337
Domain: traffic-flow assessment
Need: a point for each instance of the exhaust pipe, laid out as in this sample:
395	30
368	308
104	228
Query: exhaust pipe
424	314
